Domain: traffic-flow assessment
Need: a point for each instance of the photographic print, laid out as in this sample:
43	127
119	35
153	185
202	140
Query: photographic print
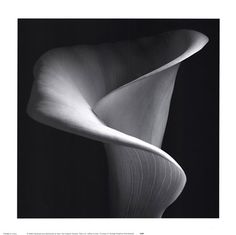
118	118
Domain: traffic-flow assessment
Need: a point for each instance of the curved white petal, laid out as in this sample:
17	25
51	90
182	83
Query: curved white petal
120	93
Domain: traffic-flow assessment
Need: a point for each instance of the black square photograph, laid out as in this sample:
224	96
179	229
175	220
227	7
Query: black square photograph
118	118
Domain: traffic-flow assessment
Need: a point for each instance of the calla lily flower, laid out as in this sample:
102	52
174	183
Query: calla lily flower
120	94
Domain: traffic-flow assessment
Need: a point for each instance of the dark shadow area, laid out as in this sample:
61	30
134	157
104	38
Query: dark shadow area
61	175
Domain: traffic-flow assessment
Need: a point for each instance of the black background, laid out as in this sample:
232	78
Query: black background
61	175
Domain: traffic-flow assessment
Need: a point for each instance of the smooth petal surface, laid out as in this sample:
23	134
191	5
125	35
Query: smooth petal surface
120	94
